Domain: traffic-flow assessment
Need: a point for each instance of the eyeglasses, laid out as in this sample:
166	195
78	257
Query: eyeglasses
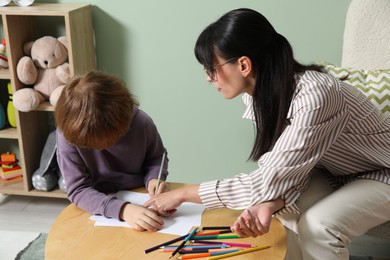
212	71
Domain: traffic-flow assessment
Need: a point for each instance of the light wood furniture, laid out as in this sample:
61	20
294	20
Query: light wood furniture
74	236
23	24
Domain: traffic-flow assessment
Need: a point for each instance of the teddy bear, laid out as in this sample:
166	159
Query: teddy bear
46	68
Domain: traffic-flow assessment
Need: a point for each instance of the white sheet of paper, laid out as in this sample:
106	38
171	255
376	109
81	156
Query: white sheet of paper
180	223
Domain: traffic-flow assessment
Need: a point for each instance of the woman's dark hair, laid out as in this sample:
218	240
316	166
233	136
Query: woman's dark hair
245	32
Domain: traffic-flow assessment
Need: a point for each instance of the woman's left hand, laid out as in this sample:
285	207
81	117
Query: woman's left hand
256	220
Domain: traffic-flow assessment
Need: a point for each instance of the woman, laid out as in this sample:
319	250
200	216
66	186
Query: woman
310	128
105	143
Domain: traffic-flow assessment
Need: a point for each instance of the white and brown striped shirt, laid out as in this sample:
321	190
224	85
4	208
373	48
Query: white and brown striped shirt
333	125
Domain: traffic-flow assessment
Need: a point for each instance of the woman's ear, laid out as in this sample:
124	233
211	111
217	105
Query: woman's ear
245	64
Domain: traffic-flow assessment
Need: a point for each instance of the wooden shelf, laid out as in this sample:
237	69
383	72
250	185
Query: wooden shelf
16	187
9	133
24	24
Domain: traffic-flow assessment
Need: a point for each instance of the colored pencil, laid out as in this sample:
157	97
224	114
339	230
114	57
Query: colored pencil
196	251
191	256
184	242
222	242
159	174
165	244
215	233
223	236
216	228
196	246
166	250
244	251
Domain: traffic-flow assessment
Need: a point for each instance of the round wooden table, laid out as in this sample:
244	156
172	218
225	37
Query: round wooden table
74	236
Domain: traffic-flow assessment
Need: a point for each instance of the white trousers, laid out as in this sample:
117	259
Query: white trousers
330	218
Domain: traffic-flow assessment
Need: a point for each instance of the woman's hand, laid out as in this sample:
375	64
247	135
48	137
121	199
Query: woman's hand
141	218
255	220
166	203
152	187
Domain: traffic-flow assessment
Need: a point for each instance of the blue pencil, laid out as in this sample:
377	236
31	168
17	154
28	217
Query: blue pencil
184	242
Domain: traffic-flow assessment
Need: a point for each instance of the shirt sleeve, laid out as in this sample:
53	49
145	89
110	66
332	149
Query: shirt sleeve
319	116
80	190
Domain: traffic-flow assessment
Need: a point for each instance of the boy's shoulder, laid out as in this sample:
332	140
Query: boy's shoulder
141	116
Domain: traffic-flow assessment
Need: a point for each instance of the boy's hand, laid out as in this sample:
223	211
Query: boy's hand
141	218
152	186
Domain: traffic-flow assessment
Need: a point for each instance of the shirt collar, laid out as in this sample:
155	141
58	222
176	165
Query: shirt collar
248	101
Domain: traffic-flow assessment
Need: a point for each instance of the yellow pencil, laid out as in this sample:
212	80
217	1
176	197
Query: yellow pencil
244	251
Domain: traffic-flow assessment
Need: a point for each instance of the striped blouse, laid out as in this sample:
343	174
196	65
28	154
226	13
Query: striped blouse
333	125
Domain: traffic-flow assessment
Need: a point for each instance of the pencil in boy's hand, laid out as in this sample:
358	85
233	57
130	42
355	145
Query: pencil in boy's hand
159	174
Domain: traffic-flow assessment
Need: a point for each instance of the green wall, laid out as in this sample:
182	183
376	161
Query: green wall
149	43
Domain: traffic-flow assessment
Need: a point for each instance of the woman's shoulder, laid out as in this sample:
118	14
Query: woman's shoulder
318	90
316	78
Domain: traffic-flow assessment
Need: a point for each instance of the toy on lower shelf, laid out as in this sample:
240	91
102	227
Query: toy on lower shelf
10	168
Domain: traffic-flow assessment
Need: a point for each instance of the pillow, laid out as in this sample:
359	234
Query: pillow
375	84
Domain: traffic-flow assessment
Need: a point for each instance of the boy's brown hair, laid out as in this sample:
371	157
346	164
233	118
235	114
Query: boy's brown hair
94	110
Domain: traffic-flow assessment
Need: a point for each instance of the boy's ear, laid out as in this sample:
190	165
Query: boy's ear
245	64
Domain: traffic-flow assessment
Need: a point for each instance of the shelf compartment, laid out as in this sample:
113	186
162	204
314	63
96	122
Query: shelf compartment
9	133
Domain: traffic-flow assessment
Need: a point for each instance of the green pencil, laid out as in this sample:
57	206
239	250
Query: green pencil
215	237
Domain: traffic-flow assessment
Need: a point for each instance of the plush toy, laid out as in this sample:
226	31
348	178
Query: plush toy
46	68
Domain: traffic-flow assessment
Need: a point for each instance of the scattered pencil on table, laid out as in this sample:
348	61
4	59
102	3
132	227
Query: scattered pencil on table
170	242
195	251
201	247
191	256
184	242
215	233
191	247
223	236
222	242
216	228
240	252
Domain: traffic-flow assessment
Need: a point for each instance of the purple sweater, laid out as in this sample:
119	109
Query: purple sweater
130	163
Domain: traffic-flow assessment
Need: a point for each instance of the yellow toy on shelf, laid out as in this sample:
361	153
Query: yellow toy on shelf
10	107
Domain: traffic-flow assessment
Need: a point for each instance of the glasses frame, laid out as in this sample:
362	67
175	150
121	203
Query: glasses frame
212	71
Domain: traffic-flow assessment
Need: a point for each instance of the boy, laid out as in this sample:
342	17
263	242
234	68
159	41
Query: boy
105	143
